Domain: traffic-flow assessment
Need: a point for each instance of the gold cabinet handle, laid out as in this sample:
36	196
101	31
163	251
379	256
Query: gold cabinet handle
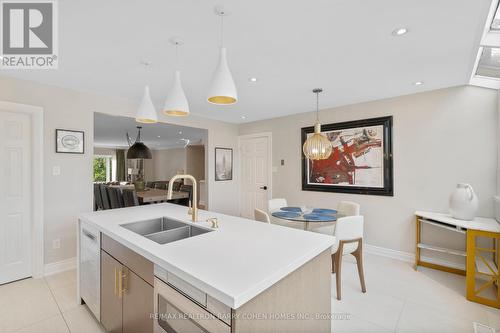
123	280
120	283
116	281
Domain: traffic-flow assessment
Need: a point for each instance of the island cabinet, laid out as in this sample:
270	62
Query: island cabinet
300	302
126	291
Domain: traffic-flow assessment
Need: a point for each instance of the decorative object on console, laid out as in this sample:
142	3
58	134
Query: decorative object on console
223	164
317	146
496	200
463	202
360	162
70	142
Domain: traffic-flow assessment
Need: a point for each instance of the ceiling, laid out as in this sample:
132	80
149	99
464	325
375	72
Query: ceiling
343	46
110	131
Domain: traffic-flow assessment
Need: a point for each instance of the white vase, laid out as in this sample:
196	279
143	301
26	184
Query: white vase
463	202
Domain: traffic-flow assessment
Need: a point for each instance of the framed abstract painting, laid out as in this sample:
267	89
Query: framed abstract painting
361	159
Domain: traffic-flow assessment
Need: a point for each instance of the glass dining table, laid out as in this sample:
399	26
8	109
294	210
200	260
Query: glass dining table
306	215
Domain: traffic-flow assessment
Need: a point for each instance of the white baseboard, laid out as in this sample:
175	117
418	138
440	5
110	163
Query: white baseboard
389	253
407	256
59	266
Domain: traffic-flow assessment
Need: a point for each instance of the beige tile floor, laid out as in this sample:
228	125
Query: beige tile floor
398	299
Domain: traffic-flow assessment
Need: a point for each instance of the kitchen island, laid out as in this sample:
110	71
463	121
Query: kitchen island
243	276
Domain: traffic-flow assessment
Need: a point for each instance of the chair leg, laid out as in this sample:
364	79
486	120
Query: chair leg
358	254
333	263
338	269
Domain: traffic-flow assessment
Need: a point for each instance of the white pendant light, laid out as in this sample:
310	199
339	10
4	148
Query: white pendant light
176	103
146	113
222	91
317	146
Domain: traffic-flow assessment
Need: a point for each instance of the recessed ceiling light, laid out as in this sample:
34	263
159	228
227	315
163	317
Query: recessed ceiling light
180	132
159	136
400	32
253	79
418	83
243	117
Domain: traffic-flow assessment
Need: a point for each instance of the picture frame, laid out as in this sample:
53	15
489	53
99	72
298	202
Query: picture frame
70	141
223	164
361	161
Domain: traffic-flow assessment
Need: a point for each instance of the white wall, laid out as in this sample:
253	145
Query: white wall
498	143
168	162
195	156
440	138
70	193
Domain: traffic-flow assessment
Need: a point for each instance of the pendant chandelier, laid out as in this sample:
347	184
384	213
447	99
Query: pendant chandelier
176	103
317	146
222	90
146	113
138	150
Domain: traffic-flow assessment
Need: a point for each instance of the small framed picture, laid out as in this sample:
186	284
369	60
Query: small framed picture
70	142
223	164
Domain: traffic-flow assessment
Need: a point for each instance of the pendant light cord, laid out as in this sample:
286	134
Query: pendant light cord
177	55
317	107
138	134
222	30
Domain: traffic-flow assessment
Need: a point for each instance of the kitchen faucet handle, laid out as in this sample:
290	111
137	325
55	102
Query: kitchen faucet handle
214	222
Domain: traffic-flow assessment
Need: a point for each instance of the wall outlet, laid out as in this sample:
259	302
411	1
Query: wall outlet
56	243
56	170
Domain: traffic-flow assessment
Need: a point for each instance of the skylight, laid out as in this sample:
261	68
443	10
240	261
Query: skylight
486	72
489	63
495	23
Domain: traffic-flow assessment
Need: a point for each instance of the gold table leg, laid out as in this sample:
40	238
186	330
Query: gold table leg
478	281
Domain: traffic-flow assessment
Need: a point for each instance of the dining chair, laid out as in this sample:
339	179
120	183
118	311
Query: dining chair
188	189
348	240
115	197
348	208
261	216
97	197
130	198
161	185
275	204
104	197
344	208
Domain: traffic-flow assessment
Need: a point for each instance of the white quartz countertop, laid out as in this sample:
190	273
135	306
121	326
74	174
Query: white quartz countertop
232	264
479	223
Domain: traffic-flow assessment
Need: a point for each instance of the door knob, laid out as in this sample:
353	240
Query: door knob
263	187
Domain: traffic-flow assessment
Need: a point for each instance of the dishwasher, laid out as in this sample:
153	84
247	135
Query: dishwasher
90	268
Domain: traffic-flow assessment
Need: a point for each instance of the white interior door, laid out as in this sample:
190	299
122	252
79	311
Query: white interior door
255	174
15	196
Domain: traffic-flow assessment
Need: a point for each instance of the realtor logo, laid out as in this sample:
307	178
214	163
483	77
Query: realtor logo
29	34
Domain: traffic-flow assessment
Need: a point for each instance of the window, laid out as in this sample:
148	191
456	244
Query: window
102	168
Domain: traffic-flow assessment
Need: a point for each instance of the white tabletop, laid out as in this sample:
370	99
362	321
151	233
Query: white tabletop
479	223
233	264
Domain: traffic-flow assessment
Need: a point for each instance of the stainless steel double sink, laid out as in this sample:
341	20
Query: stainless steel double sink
164	230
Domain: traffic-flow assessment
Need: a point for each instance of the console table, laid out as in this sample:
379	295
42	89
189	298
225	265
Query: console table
481	269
